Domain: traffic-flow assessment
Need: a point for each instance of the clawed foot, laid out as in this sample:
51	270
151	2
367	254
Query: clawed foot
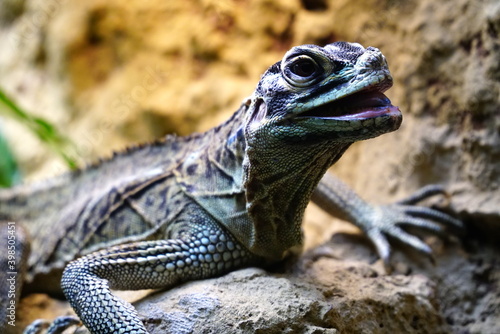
386	221
56	327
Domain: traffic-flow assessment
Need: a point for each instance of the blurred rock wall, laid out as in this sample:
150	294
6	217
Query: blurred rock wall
110	73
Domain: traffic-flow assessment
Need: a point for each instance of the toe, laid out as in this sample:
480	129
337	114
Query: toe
423	193
381	245
428	213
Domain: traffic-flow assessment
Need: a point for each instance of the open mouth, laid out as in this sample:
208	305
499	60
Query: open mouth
361	105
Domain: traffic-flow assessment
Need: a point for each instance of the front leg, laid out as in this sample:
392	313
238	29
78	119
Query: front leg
87	281
380	221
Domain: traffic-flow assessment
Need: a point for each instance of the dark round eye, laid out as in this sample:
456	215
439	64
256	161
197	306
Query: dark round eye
304	68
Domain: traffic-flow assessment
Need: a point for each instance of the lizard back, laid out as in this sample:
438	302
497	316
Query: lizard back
131	196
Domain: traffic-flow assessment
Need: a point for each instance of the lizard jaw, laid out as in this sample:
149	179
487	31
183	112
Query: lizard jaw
360	105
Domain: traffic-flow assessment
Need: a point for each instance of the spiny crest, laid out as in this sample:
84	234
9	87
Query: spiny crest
169	140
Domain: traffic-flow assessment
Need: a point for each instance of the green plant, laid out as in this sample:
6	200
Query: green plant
9	173
46	132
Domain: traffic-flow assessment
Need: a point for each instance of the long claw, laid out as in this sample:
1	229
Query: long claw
424	224
37	327
381	245
412	241
423	193
441	217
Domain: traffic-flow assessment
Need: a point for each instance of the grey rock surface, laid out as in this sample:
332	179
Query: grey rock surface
330	289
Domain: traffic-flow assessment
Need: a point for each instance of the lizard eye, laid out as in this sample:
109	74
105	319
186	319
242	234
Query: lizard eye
303	68
302	71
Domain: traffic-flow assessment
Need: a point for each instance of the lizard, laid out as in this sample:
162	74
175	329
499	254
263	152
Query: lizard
194	207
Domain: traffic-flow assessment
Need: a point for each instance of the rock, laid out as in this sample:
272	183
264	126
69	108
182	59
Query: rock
445	63
339	292
329	289
333	297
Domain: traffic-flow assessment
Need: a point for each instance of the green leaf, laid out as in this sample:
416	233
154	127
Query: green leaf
9	173
41	128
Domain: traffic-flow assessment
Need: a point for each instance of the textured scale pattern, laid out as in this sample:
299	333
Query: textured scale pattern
195	207
149	264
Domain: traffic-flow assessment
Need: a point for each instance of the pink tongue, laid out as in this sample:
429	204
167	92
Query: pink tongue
370	113
366	100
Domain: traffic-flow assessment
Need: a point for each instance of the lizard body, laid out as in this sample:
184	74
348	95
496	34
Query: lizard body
132	197
199	206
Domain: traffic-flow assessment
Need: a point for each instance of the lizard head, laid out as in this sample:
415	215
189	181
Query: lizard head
332	93
306	110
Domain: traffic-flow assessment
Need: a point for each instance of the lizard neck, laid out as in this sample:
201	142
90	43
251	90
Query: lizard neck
279	182
255	186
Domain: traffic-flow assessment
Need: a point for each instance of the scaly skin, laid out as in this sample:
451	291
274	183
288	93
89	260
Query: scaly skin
197	207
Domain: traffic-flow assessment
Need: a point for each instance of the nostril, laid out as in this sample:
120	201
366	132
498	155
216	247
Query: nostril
373	59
